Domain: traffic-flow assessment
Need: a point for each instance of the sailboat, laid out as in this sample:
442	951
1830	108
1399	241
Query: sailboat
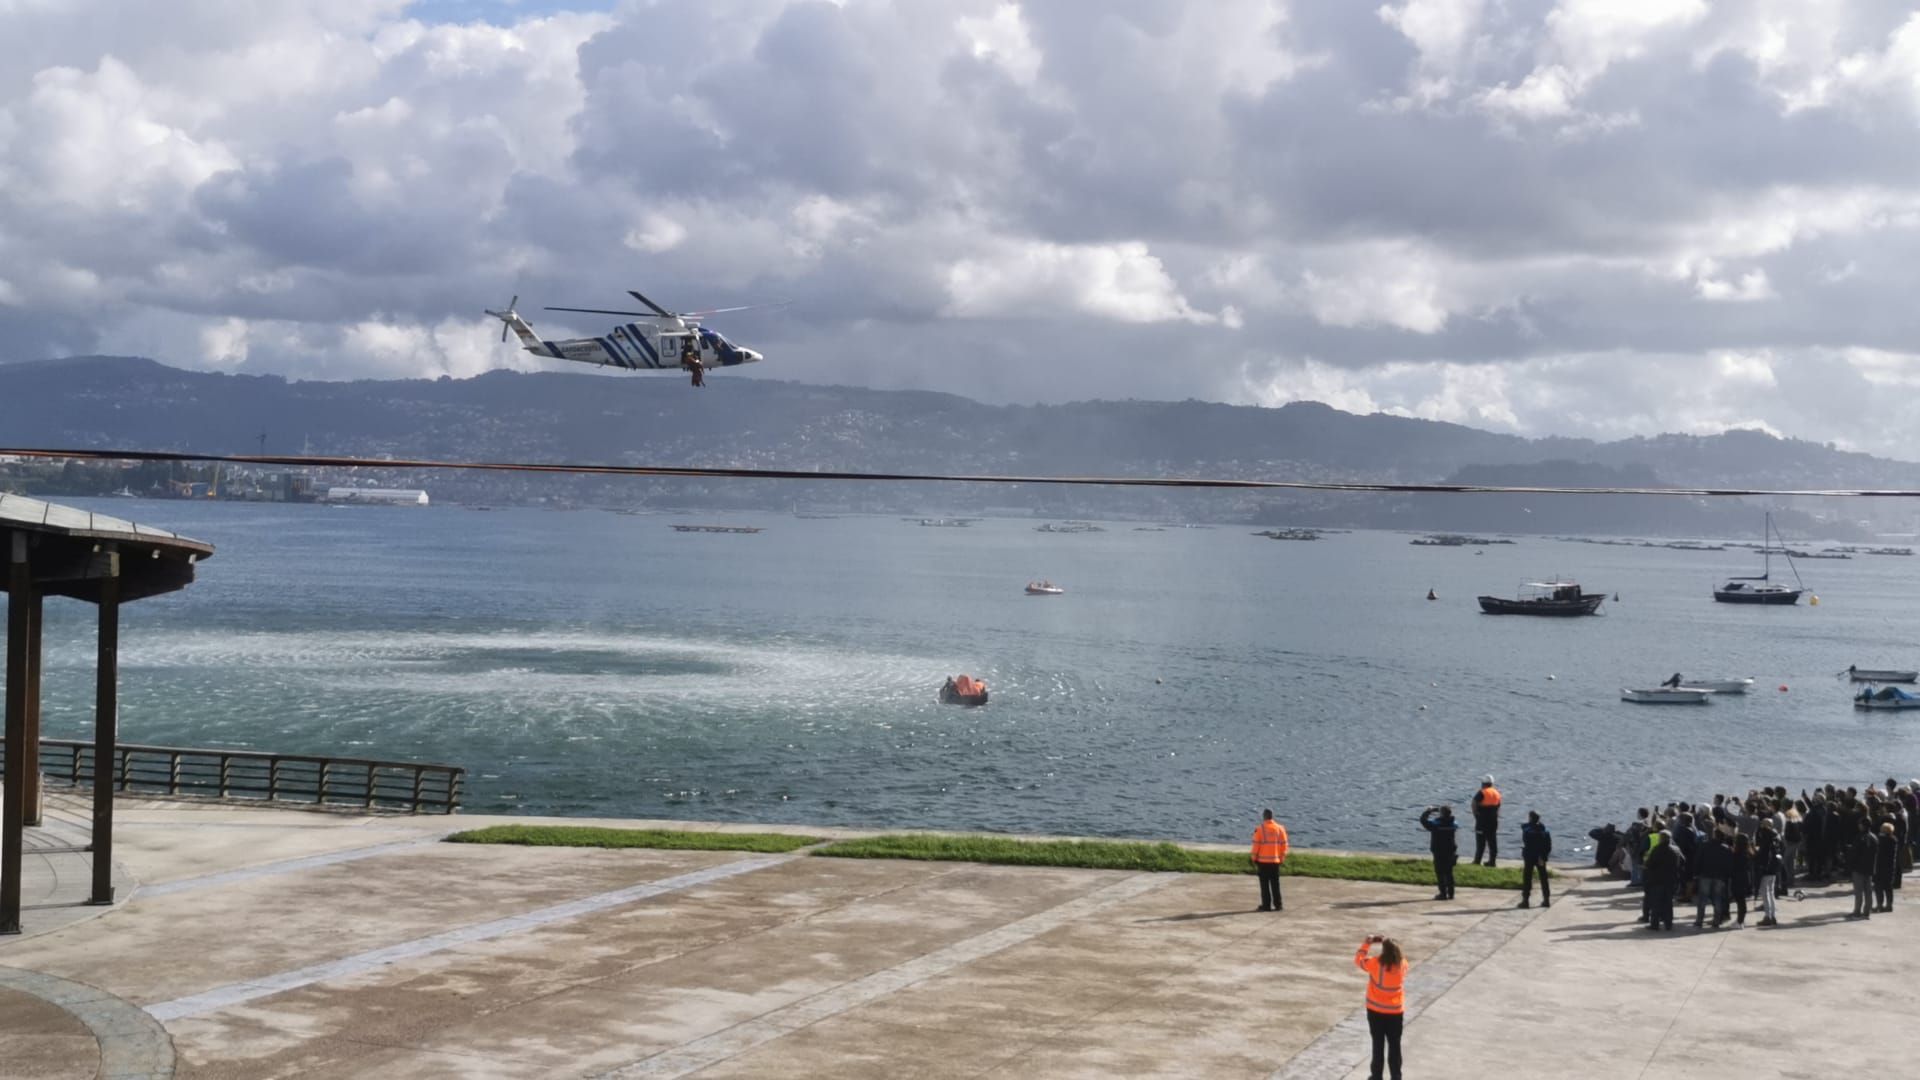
1761	589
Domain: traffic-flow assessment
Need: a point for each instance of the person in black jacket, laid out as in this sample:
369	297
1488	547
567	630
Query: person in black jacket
1862	853
1606	841
1740	882
1768	861
1714	871
1660	872
1536	843
1886	867
1687	840
1443	839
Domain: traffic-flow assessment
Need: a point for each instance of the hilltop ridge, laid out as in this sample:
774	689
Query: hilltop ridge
134	402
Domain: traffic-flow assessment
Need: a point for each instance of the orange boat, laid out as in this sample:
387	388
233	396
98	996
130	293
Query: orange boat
963	690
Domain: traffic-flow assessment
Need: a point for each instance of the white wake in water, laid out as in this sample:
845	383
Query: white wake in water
583	668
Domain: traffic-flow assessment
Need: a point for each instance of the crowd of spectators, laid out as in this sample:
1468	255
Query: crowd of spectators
1758	848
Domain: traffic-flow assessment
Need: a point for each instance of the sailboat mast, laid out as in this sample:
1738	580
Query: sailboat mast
1766	550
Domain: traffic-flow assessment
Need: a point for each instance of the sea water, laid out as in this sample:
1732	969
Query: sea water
594	663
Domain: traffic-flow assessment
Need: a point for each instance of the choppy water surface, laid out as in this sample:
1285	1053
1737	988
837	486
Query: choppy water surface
594	663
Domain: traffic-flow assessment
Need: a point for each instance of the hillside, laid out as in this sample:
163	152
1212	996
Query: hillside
552	416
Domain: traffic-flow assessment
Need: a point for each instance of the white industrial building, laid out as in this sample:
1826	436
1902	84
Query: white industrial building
378	496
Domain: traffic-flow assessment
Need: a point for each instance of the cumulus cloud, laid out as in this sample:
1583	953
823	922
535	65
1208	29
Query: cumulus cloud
1603	217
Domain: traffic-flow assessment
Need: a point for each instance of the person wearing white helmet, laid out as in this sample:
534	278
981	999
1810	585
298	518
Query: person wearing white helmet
1486	821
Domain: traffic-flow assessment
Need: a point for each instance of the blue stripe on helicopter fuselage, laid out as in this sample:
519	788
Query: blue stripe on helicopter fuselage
646	347
613	354
621	350
554	350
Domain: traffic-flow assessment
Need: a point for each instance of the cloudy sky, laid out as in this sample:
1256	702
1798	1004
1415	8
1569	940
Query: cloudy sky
1597	217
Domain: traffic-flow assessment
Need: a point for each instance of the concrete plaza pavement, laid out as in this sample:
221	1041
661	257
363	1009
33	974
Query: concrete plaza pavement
270	942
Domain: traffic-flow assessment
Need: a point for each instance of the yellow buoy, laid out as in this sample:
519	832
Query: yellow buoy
1814	602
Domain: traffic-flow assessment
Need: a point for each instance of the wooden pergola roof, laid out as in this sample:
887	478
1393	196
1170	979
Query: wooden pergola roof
70	545
52	550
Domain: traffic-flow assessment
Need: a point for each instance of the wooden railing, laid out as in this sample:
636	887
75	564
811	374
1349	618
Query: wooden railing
249	774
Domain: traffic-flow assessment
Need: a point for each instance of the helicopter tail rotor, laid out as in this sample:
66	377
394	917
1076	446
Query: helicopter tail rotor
510	321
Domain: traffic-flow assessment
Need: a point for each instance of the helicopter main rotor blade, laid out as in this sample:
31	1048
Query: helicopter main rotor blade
606	311
725	310
635	293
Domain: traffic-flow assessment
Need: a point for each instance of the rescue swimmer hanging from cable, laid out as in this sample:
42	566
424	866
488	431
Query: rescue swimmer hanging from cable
661	341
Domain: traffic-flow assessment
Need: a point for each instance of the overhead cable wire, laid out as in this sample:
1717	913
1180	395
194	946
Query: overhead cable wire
732	473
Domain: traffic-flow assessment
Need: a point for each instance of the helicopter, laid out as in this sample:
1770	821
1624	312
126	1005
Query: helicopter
661	340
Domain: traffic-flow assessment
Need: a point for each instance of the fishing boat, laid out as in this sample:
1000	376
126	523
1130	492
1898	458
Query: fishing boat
1881	675
1545	598
1044	588
1761	589
1887	697
1667	695
963	690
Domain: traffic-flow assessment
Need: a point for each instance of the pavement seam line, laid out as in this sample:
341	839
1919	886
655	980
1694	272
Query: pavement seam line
1682	1010
750	1034
133	1046
221	997
287	866
628	971
1346	1045
1204	960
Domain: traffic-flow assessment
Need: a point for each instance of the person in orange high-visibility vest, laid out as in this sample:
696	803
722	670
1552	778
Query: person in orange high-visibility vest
1386	999
1269	851
1486	821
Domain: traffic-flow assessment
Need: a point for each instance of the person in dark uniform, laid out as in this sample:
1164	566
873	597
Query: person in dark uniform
1486	821
1443	839
1536	843
1269	851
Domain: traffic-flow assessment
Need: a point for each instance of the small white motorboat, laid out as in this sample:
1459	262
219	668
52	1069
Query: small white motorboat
1881	675
1044	588
1667	695
1718	686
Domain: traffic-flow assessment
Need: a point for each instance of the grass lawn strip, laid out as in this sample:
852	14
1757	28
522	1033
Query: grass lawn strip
1135	855
596	836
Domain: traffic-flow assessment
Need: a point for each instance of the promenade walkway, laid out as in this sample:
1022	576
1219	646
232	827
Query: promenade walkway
267	942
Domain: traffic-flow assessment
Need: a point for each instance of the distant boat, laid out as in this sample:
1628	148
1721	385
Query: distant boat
1545	598
1667	695
1881	675
1044	588
1761	589
1887	697
1718	686
125	493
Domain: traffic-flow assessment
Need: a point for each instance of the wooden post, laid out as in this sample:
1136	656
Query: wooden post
13	796
106	723
36	614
